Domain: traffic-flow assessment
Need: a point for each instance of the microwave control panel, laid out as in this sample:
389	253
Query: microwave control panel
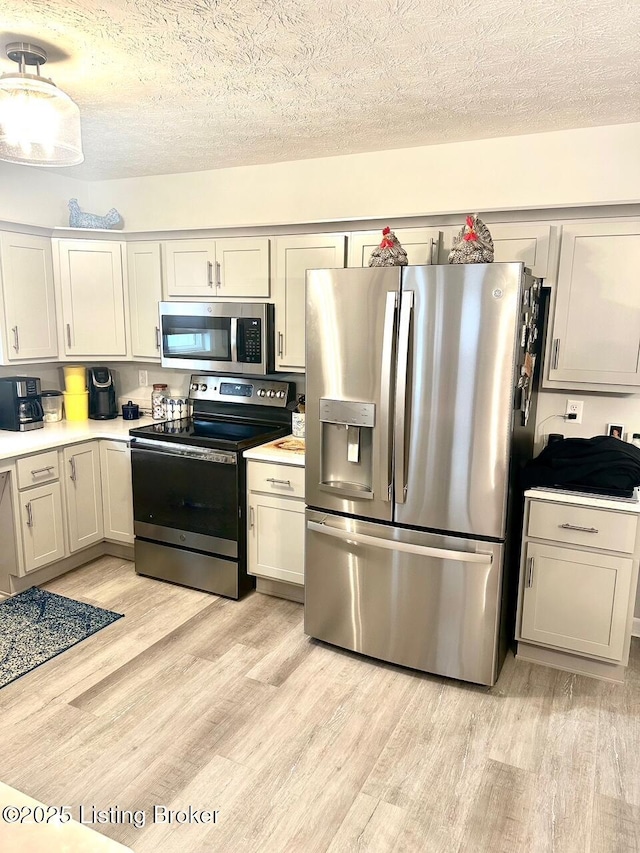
250	340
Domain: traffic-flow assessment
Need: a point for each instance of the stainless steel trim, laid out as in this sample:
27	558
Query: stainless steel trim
577	527
16	341
29	514
280	482
251	517
68	334
406	310
280	344
186	539
42	470
209	274
218	274
386	484
349	490
529	572
73	475
556	354
394	545
157	337
170	448
234	339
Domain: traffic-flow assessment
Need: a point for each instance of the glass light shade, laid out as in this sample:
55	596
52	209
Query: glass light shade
39	123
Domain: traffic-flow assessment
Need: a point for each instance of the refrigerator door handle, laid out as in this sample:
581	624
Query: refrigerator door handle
404	334
385	395
393	545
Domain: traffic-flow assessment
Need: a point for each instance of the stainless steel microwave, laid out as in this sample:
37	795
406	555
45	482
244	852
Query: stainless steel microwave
225	337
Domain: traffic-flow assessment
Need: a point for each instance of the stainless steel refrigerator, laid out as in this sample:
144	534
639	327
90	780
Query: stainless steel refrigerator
418	415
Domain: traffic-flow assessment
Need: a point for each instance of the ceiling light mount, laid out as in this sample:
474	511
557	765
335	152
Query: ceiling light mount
39	123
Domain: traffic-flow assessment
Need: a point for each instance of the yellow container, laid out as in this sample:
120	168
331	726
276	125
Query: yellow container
76	406
75	379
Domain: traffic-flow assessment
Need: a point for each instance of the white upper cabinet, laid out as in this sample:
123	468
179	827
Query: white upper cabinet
293	257
420	244
145	292
29	315
217	269
531	244
92	293
595	339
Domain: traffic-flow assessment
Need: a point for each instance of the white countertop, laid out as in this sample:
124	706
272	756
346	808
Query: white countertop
582	499
270	453
65	432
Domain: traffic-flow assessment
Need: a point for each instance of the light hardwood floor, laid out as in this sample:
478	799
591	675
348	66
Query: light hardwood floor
194	700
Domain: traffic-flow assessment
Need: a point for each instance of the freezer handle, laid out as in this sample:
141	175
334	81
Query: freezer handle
385	395
404	336
393	545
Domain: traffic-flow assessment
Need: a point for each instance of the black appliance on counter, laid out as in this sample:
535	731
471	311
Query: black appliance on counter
102	394
20	403
189	482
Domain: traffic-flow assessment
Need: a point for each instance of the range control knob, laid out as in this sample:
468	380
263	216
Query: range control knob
194	386
271	393
203	387
261	392
280	394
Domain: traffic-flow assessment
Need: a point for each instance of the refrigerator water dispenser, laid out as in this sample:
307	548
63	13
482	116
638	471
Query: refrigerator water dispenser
346	447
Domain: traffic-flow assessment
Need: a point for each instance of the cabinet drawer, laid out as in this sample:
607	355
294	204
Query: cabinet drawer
34	470
276	479
578	525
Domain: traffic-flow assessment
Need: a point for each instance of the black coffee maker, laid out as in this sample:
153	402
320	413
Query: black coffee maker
20	403
102	394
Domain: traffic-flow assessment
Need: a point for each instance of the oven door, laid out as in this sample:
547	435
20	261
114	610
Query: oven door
186	497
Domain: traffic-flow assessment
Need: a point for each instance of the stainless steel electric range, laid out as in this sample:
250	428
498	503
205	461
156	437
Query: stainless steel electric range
189	482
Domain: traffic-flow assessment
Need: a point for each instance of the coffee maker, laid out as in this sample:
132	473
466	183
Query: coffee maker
102	394
20	403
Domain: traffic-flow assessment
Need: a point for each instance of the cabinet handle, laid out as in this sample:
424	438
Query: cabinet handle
280	344
157	337
529	572
251	517
209	273
433	252
16	340
72	462
69	334
556	353
577	527
41	470
29	514
280	482
218	275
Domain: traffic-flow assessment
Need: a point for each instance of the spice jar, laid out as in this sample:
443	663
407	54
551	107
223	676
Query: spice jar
158	409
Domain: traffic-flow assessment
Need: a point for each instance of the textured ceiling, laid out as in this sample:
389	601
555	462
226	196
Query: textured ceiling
175	86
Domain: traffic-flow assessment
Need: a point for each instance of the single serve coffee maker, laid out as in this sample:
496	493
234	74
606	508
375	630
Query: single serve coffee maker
20	403
102	394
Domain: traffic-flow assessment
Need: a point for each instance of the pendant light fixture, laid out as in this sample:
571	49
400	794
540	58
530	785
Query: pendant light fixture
39	123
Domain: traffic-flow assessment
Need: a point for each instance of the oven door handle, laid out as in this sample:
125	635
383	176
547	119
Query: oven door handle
183	451
234	339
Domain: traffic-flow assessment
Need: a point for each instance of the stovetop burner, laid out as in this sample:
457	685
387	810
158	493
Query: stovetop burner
211	433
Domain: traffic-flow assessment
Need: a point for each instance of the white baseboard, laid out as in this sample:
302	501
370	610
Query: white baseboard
635	627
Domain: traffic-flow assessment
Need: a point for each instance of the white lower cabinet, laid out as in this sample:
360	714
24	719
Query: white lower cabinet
117	496
83	494
578	577
275	509
42	525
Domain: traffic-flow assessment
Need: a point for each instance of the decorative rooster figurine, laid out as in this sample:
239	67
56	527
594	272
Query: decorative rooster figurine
473	245
389	253
78	219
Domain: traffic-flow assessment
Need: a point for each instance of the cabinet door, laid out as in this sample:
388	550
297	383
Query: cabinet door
420	244
29	301
83	494
596	324
190	267
145	292
294	256
576	600
276	538
42	527
521	242
243	267
92	289
117	498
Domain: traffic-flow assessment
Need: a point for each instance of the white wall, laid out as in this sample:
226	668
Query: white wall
599	410
35	196
575	167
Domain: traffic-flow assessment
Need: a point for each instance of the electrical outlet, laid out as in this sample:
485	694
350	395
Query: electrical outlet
575	407
143	378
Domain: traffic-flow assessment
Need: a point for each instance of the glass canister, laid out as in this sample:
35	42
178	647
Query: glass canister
158	396
52	406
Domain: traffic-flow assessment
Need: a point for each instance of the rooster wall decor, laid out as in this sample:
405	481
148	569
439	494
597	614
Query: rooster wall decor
78	219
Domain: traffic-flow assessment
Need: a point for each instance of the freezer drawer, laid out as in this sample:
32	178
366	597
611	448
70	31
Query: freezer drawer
420	600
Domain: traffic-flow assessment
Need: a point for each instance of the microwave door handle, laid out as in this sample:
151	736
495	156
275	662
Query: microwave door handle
234	339
385	395
399	430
